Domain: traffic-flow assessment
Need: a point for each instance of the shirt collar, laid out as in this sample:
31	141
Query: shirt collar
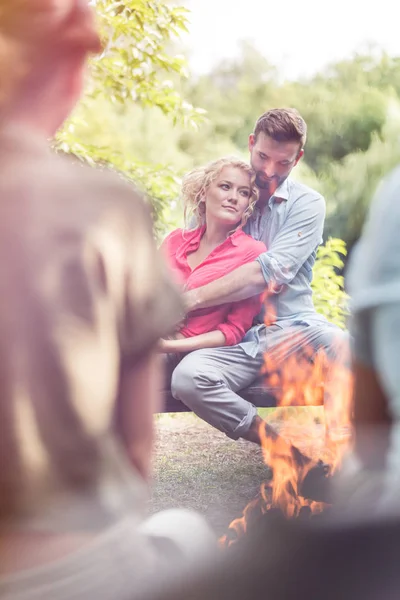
196	235
282	192
234	237
193	236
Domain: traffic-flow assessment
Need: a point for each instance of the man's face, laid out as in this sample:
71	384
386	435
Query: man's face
272	161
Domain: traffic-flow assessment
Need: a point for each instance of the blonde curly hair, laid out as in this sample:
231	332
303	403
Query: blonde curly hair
196	183
31	30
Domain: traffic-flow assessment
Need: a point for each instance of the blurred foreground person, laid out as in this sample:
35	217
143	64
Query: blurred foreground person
83	303
294	560
373	282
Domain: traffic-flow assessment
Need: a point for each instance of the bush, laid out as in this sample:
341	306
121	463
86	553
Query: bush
330	299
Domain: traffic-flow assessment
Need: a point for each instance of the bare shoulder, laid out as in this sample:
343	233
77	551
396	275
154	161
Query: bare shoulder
174	236
106	188
72	193
58	179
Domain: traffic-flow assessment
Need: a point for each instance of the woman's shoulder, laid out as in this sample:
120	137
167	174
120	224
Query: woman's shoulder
172	239
180	235
246	242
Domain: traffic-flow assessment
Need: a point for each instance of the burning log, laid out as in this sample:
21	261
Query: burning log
317	484
296	477
298	487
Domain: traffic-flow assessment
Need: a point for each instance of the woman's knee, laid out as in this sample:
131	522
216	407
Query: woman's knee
191	377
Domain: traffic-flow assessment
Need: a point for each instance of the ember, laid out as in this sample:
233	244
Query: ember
301	459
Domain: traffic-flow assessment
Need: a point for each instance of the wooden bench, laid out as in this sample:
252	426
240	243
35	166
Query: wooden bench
259	393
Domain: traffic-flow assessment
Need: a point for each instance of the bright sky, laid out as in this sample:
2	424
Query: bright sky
299	36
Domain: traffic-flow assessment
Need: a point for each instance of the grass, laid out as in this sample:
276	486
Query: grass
197	467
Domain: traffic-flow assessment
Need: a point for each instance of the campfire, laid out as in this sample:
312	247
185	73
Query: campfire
301	460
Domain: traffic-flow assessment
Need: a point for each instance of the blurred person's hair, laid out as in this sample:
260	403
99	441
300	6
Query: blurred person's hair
282	125
33	30
196	183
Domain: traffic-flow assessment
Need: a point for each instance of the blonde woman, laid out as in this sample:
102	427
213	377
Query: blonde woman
84	300
221	196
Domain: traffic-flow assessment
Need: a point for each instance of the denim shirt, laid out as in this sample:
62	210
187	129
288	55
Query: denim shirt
291	226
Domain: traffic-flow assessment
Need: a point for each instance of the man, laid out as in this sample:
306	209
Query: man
289	219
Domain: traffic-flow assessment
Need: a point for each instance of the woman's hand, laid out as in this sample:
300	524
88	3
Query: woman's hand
168	346
212	339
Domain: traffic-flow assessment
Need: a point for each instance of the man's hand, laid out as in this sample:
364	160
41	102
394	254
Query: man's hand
190	301
242	283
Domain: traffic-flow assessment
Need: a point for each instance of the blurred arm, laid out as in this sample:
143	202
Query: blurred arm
376	381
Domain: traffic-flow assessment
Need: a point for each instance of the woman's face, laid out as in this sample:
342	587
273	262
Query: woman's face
227	197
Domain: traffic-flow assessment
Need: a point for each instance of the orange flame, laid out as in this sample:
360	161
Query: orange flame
306	380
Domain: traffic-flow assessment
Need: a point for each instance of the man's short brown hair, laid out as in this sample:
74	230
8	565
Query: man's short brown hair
282	125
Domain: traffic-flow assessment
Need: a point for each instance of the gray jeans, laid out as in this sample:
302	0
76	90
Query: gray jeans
207	381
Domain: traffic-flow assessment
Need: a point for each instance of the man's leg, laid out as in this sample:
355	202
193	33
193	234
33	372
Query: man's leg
206	381
311	360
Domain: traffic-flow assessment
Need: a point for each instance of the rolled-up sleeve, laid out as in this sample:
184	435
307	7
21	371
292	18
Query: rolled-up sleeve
299	236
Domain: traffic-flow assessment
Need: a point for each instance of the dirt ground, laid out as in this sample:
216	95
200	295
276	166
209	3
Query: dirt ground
200	468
